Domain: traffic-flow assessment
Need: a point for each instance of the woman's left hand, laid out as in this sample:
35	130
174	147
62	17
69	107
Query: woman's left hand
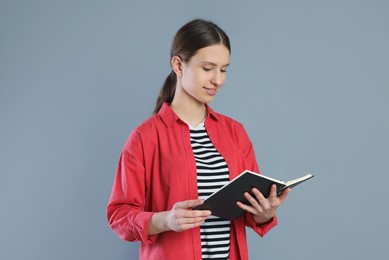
263	209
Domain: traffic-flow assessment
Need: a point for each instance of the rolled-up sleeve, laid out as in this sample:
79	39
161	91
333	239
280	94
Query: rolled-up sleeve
260	229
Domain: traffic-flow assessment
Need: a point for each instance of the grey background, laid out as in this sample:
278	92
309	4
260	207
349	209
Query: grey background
309	80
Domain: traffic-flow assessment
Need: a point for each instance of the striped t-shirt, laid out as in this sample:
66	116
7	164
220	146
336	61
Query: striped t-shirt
212	174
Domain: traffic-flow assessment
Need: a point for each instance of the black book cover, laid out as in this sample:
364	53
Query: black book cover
222	203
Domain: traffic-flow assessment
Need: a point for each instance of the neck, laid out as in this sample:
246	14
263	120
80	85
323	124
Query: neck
192	113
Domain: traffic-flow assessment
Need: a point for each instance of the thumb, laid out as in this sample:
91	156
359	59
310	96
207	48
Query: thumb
187	204
284	194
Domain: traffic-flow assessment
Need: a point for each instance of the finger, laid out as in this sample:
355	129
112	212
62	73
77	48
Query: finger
187	204
259	196
253	201
273	192
182	224
191	225
193	220
196	213
246	207
189	213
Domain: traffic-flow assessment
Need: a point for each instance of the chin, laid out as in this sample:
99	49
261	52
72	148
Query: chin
208	100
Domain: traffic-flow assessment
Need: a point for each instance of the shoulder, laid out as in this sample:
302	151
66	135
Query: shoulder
227	127
227	121
144	132
229	131
148	125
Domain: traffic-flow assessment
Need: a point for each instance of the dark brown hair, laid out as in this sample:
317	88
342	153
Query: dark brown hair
191	37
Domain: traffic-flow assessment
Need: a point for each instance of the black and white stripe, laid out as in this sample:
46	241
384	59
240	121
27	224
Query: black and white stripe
212	174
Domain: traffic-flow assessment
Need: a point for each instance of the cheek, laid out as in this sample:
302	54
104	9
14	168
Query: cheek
187	80
196	79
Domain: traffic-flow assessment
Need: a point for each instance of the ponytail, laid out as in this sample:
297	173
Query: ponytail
167	92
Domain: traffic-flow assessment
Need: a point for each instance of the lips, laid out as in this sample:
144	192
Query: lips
210	91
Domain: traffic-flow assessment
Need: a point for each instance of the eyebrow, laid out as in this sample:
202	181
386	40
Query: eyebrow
213	64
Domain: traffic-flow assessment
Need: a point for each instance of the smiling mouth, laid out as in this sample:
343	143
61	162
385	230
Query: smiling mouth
210	91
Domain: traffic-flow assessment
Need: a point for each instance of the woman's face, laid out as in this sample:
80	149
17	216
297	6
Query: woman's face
204	74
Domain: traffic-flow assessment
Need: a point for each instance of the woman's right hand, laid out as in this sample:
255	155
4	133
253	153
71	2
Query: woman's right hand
181	217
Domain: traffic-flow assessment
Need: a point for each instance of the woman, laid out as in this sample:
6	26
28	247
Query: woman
183	153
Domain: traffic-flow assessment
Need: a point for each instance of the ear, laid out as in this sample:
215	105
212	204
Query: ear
176	65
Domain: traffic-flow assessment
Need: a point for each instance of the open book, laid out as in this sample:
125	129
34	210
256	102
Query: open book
222	203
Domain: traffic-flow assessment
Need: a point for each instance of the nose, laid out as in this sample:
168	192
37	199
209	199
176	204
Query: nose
217	79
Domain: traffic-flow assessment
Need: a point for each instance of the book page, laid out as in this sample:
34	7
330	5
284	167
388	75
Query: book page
294	182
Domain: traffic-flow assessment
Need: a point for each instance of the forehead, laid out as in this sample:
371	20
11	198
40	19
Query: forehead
217	54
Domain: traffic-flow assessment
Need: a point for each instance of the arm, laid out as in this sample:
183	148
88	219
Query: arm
261	215
126	208
179	218
125	211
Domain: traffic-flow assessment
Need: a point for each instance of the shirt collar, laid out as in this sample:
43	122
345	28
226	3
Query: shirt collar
169	117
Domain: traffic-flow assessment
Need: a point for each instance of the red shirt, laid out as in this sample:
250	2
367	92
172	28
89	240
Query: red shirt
157	168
